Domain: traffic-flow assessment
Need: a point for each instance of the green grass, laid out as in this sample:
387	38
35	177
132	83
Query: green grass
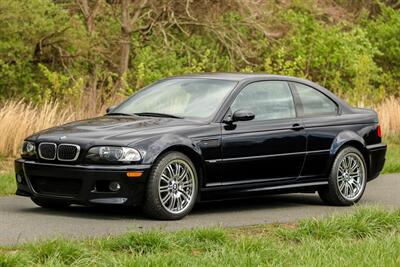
7	183
368	237
392	164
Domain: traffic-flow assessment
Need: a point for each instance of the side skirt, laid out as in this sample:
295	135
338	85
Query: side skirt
227	192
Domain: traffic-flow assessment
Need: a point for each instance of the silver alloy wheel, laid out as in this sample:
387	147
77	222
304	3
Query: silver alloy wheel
177	186
351	176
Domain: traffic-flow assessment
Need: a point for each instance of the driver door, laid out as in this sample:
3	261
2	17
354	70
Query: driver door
270	147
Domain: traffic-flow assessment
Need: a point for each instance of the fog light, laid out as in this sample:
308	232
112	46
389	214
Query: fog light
19	178
114	186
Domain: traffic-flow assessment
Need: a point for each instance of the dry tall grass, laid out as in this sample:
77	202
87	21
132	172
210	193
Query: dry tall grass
18	120
389	116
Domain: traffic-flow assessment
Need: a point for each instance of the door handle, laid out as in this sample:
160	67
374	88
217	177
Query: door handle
297	127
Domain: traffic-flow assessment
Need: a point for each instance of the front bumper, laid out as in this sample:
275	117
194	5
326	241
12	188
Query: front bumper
80	184
376	153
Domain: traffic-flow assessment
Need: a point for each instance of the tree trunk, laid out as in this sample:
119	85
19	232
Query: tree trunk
125	41
128	25
90	16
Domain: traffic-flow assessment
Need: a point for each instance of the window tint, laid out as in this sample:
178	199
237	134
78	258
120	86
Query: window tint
314	102
268	100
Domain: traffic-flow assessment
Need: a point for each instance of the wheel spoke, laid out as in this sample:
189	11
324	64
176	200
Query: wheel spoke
172	203
182	175
179	203
345	164
177	169
184	195
164	189
164	178
354	166
340	178
184	186
170	171
166	198
341	186
351	189
341	170
346	189
353	176
357	184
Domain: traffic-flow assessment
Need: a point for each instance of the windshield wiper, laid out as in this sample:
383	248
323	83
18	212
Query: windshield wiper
119	114
155	114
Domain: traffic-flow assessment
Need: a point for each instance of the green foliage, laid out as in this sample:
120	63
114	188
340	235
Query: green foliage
384	34
196	54
47	52
339	57
34	32
60	86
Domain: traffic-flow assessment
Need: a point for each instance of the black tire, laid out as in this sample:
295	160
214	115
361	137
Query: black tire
153	205
332	194
50	203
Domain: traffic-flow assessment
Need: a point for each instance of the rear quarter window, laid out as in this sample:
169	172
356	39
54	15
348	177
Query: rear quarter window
314	102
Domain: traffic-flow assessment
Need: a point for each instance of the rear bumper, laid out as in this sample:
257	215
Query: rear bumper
376	155
80	184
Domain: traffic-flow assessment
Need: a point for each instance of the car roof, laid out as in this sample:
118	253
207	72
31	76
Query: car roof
235	76
243	77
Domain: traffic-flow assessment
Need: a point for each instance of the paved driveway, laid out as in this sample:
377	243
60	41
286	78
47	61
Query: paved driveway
22	221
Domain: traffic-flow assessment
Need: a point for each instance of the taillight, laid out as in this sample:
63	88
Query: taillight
378	129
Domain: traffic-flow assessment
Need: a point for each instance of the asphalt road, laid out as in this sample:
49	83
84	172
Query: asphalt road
21	221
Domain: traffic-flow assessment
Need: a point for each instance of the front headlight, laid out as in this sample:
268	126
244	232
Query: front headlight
113	154
28	149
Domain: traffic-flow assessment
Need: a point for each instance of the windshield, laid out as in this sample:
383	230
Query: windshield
193	98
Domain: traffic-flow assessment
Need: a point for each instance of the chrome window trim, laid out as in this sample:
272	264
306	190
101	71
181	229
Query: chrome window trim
48	143
77	152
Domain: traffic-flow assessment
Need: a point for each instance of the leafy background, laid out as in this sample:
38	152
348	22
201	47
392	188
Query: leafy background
48	51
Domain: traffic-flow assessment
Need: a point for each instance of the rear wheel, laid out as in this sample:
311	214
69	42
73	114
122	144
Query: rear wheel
50	203
172	187
347	179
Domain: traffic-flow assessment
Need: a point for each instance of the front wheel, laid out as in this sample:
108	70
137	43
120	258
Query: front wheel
172	187
347	179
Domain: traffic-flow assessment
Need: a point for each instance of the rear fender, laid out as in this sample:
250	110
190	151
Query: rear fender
344	139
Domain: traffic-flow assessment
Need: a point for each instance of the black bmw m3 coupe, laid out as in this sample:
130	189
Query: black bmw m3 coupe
199	137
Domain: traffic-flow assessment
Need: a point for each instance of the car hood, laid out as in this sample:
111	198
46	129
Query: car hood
110	129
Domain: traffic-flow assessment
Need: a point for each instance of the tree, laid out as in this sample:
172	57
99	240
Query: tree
129	24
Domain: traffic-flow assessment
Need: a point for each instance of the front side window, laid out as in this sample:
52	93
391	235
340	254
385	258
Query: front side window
268	100
314	102
185	97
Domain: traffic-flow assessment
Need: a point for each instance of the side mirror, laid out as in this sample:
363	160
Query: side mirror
109	109
243	115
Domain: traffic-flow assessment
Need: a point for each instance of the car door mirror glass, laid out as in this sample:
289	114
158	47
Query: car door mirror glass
243	115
